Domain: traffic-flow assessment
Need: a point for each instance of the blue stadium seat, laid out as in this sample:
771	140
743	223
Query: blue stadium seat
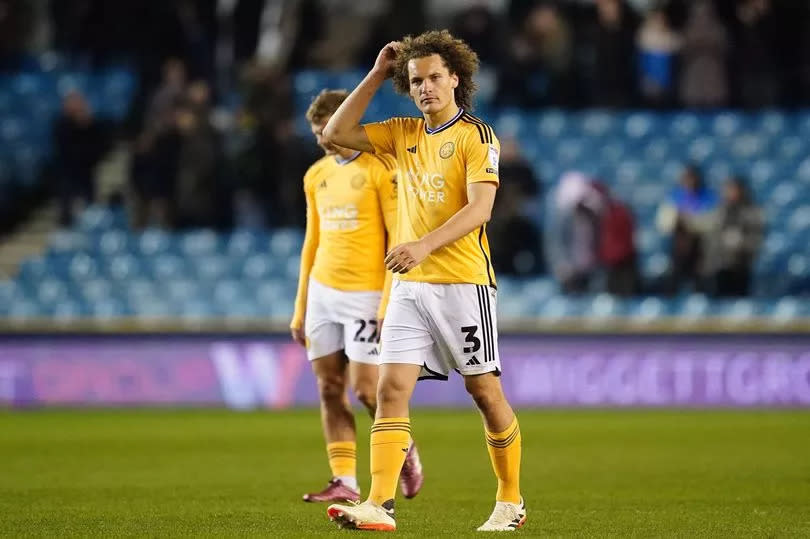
168	266
259	266
68	241
515	306
242	308
561	307
799	220
115	242
83	267
245	242
10	291
212	267
270	291
96	290
108	308
25	309
727	124
551	124
154	308
184	289
51	291
640	125
199	242
125	267
286	242
606	306
154	242
198	309
100	218
649	309
139	289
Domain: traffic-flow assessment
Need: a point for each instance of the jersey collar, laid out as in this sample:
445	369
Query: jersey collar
445	125
340	161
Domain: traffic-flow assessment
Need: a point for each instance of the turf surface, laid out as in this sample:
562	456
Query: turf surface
586	473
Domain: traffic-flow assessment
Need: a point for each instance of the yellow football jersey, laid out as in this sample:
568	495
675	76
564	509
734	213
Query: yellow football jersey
351	211
435	166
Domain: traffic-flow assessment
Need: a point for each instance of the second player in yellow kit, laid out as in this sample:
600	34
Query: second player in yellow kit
351	209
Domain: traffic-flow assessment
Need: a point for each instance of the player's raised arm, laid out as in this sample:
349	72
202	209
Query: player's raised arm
344	128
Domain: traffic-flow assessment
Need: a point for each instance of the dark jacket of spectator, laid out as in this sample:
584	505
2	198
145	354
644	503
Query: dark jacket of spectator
613	55
733	240
704	79
80	142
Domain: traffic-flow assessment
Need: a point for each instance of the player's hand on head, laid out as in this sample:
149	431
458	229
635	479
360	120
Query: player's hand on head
386	58
298	335
406	256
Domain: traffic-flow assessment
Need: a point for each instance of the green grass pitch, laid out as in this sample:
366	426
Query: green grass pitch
588	473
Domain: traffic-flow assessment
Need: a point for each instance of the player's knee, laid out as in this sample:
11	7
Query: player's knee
390	391
485	399
331	388
366	394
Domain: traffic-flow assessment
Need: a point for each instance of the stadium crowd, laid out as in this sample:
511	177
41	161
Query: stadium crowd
193	146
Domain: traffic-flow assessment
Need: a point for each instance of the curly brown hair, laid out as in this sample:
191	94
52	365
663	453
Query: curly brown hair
325	104
457	56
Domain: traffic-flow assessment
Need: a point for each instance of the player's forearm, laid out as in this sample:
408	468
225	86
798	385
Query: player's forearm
467	219
347	117
307	261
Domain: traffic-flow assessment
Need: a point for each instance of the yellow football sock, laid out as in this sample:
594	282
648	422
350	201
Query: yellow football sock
342	458
504	452
390	440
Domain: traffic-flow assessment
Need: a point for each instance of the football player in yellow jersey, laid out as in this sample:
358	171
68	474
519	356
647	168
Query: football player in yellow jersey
351	209
441	313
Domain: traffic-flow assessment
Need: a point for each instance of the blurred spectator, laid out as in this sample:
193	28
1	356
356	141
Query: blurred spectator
538	67
514	169
271	159
16	26
199	163
400	19
155	151
517	244
684	217
658	46
80	142
480	29
170	91
732	241
704	81
613	53
753	55
573	233
617	247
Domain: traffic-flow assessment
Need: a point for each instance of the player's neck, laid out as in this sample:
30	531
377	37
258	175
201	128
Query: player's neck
432	121
345	154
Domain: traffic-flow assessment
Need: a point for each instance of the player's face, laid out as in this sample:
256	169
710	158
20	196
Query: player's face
432	84
317	130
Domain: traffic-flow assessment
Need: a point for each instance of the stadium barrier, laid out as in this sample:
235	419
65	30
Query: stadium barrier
246	371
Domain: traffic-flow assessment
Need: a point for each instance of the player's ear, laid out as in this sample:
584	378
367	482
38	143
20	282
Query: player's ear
453	80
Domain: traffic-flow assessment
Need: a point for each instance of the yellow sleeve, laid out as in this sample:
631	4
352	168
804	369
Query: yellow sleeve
381	136
387	193
482	158
308	250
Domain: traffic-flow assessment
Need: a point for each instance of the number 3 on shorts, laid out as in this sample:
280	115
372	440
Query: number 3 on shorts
469	337
373	334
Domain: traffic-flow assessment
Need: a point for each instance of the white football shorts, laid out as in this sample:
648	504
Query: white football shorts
342	320
442	327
